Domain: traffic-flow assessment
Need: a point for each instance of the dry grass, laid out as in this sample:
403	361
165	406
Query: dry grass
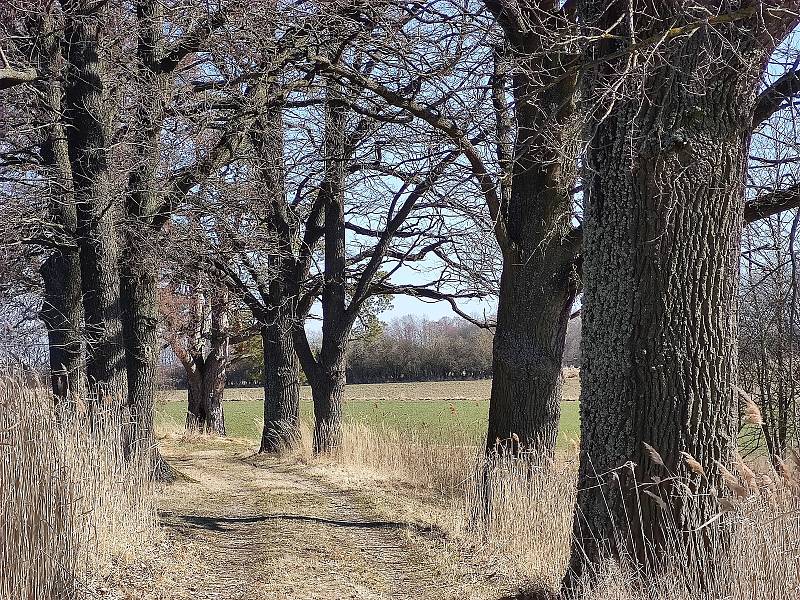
70	504
529	532
440	484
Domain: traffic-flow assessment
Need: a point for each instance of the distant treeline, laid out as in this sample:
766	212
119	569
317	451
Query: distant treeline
409	348
416	349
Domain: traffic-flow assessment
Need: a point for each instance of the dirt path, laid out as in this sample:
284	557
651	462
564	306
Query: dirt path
253	527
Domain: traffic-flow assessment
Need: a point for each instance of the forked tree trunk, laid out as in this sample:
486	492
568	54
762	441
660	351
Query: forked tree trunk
281	386
281	365
663	219
206	378
139	265
532	317
205	396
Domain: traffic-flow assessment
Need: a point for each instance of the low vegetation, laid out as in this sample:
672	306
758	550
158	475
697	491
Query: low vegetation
72	507
438	482
528	534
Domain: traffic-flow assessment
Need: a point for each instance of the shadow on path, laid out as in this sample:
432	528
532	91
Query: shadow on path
219	523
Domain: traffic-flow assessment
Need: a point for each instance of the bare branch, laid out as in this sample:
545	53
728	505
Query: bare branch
192	41
772	203
776	96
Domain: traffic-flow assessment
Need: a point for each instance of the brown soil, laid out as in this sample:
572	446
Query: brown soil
246	526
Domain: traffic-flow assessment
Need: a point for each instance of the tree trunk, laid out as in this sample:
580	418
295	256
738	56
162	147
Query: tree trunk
86	120
327	391
140	322
62	305
539	280
328	379
281	386
139	265
61	314
213	391
206	378
532	317
281	364
663	219
195	412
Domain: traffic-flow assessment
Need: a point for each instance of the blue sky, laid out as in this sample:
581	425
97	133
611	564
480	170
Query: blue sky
405	305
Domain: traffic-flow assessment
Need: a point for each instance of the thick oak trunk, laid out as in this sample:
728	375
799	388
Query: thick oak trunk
327	391
62	305
140	322
532	317
539	280
195	410
86	120
328	377
213	392
281	386
139	265
663	218
281	365
206	378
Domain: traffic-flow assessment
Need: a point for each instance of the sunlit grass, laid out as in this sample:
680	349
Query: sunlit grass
450	422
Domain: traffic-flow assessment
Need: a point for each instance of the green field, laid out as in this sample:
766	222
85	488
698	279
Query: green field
441	410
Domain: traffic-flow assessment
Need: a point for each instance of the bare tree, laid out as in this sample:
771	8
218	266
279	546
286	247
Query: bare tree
768	324
526	174
315	200
768	337
201	327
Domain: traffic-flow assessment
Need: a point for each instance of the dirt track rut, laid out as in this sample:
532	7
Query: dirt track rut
253	527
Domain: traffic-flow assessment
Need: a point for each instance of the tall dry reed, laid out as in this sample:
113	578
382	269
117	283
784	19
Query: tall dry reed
70	502
528	529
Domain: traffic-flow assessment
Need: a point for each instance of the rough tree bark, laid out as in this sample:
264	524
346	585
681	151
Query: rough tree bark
279	318
327	377
138	265
86	122
327	393
140	321
532	316
62	313
663	217
215	366
539	282
281	384
62	307
145	214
